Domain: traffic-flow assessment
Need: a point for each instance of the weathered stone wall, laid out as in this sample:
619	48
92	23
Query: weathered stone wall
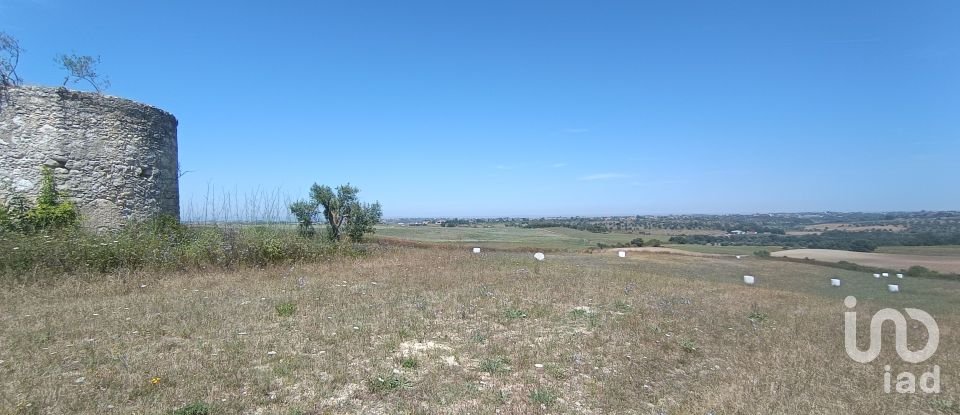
115	158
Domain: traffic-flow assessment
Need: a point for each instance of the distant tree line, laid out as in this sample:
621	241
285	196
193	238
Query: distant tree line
580	226
452	223
636	242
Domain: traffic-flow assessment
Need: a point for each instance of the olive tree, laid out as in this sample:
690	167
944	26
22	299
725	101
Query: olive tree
9	58
82	68
342	210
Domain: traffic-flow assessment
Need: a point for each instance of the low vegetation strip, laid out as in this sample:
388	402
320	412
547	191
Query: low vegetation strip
157	245
943	264
940	250
658	250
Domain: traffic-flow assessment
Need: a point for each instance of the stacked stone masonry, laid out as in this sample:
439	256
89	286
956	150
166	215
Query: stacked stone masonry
115	158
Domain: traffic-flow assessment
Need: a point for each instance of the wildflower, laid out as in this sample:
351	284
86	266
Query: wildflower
155	380
16	248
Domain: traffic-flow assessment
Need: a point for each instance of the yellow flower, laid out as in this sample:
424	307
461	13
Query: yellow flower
155	380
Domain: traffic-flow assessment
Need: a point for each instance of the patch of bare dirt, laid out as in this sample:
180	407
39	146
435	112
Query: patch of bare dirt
870	259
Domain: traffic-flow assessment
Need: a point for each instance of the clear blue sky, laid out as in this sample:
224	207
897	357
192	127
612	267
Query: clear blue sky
488	108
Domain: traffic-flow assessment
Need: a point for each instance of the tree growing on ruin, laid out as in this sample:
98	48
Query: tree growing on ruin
82	68
342	210
9	58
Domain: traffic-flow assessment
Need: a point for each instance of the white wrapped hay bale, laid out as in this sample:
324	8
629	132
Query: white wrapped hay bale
539	256
894	288
900	276
886	275
622	254
476	250
834	282
749	279
876	275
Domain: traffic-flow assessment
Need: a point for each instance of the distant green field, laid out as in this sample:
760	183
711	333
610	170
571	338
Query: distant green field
504	237
726	250
938	250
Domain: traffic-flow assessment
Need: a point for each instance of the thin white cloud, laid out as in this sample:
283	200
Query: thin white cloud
603	176
655	183
858	40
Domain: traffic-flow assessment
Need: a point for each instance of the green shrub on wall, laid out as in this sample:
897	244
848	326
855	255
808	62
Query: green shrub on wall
51	212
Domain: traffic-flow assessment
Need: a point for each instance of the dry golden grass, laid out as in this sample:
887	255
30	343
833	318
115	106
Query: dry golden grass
410	330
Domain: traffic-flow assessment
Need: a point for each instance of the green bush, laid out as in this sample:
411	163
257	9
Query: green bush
923	272
514	313
159	244
6	221
286	309
543	396
409	363
45	239
50	213
388	384
197	408
495	365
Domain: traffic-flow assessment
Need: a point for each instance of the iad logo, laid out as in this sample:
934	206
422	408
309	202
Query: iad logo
906	381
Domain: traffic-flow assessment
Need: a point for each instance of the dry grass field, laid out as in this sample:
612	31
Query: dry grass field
409	330
503	237
726	250
938	250
942	263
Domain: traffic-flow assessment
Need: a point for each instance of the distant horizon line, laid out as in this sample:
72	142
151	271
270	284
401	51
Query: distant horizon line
562	217
672	214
